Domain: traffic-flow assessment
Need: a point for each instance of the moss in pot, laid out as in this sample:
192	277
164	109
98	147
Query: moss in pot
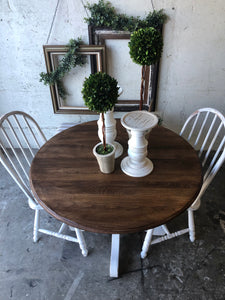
101	150
100	94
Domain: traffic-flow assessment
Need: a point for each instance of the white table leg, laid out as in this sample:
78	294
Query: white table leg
115	251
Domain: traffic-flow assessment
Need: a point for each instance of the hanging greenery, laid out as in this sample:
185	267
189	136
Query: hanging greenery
69	61
104	15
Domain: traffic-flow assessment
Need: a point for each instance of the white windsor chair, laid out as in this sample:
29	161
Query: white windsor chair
20	138
205	131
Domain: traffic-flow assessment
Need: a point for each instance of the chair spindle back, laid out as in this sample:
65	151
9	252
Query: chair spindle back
205	131
20	138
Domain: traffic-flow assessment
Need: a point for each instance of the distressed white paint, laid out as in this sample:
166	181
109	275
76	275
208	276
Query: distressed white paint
115	255
138	123
214	162
192	65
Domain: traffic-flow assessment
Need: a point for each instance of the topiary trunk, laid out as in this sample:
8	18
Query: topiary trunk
143	70
103	131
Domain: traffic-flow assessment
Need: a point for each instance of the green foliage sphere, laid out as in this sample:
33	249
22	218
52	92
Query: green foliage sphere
100	92
146	46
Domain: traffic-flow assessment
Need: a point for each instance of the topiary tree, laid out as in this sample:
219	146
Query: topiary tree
100	94
146	46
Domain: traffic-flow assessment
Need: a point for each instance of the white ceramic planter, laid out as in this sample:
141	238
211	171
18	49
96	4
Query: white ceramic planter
106	162
138	123
110	131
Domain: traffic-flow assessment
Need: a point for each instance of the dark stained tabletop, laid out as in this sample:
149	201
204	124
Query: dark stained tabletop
67	182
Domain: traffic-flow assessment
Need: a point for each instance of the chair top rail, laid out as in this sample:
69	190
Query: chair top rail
200	110
26	117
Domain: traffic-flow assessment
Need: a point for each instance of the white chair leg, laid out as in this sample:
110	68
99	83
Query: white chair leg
146	244
36	225
81	242
61	229
191	225
165	229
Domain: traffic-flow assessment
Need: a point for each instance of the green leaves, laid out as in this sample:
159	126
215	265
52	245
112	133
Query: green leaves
104	15
146	46
101	14
69	61
154	19
100	92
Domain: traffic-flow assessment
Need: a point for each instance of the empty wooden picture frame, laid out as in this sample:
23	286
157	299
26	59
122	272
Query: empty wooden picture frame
120	66
73	81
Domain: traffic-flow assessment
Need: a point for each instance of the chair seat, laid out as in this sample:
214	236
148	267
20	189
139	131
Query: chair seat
33	205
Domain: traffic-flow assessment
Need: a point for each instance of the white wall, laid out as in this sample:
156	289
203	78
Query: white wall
192	66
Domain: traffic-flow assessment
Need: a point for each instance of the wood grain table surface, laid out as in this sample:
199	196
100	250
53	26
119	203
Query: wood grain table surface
66	181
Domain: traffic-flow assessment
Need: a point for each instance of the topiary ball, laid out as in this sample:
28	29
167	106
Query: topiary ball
100	92
146	46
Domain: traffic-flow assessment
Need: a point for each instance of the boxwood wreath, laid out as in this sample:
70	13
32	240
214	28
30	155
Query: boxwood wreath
70	60
103	15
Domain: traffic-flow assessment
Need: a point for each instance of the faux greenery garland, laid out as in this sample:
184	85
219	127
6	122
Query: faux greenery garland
104	15
69	61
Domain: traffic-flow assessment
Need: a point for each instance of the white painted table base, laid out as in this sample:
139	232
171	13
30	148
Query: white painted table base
115	253
115	250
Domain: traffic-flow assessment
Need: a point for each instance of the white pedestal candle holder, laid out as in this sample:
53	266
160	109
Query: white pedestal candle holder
110	132
136	164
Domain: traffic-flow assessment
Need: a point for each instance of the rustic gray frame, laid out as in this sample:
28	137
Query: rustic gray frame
98	36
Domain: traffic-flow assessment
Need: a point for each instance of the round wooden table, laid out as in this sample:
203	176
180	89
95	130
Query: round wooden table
66	181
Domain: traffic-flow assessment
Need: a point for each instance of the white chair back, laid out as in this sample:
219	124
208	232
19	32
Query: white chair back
19	136
205	131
